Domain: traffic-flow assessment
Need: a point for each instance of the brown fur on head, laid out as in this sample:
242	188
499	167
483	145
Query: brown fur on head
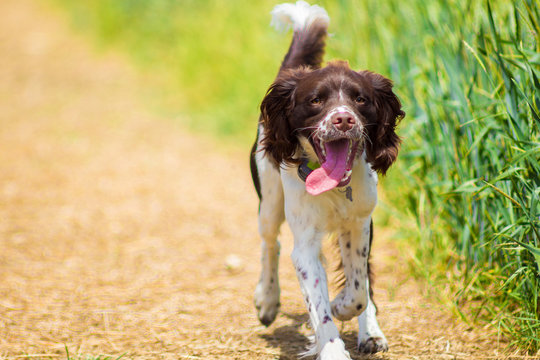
279	140
383	147
301	99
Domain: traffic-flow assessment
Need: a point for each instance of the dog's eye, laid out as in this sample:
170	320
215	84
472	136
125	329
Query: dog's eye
360	100
315	101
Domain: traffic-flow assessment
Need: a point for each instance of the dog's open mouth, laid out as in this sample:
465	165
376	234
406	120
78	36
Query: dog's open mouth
336	158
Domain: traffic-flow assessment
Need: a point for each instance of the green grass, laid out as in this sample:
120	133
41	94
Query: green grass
472	157
467	72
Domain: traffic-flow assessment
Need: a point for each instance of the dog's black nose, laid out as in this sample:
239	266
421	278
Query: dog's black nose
343	121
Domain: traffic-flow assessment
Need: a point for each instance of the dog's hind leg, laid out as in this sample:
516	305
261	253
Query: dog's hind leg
271	215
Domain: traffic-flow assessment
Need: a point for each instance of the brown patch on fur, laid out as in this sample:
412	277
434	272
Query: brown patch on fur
383	147
279	140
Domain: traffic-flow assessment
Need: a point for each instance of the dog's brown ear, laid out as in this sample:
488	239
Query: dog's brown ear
383	145
278	140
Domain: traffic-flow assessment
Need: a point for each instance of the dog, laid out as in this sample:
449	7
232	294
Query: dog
323	135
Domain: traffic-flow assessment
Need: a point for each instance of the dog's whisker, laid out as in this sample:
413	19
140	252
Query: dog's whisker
305	128
314	134
366	138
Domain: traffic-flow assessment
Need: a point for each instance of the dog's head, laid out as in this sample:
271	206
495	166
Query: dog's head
331	114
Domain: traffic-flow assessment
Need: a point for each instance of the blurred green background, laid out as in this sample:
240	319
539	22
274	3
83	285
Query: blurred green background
465	191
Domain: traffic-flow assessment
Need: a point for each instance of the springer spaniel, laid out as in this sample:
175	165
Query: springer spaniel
323	135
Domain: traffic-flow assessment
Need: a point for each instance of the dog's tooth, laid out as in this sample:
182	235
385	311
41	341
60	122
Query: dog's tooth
347	175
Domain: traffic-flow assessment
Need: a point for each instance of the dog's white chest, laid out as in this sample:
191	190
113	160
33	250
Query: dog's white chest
356	200
332	209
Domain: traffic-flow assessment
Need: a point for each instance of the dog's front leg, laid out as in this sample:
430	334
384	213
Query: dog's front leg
312	278
355	298
354	245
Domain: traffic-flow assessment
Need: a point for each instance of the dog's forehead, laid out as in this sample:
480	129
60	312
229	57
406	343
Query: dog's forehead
334	77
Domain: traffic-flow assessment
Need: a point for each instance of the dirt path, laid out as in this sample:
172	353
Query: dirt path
119	233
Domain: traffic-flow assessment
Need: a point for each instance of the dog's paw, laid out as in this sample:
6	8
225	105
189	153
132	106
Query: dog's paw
373	345
267	304
334	350
267	314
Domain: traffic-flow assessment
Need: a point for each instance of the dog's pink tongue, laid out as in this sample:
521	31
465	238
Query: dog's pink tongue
329	175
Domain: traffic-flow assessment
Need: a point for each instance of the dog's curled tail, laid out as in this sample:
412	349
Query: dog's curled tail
310	24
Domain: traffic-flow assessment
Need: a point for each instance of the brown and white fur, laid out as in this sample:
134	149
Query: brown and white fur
305	109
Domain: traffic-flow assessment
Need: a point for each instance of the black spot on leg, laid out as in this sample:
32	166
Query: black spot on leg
304	275
359	306
271	280
364	251
356	284
348	244
326	319
358	252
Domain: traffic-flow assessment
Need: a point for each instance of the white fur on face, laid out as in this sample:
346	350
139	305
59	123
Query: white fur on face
326	124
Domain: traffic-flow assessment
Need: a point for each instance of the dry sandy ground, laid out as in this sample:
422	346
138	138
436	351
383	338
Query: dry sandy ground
122	234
